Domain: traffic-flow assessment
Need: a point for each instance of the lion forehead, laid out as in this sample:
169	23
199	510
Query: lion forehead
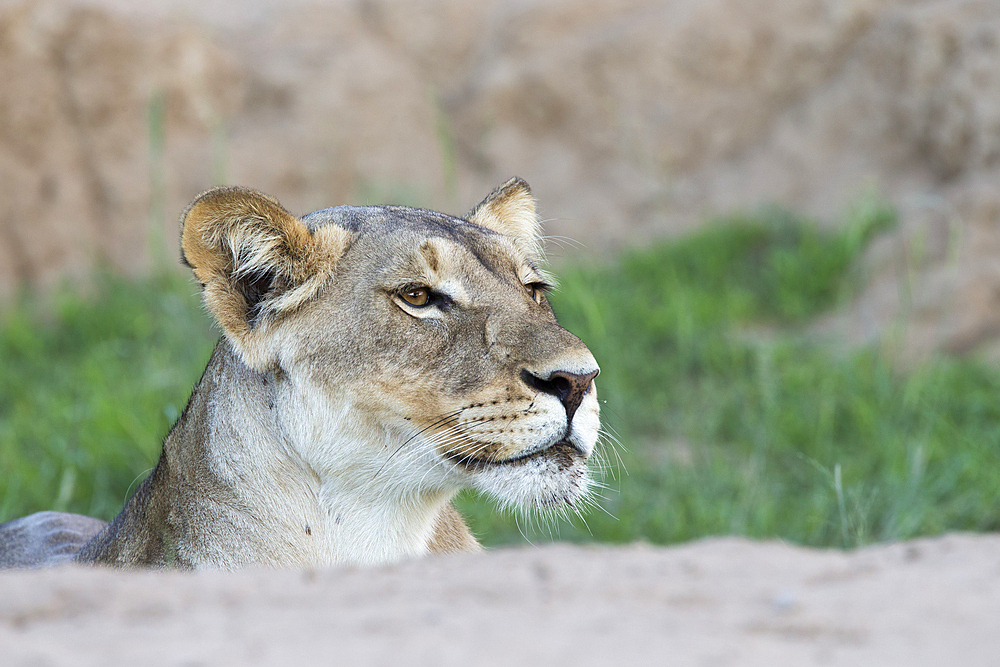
394	245
393	219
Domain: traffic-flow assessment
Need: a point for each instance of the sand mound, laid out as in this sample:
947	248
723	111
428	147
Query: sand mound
713	602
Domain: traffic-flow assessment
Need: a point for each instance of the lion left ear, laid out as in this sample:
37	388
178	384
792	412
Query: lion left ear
510	210
255	262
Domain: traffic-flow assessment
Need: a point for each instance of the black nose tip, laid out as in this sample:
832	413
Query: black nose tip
569	388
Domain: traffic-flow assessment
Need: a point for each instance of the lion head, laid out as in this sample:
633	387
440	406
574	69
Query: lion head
412	351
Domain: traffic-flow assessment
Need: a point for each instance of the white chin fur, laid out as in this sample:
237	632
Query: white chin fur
541	482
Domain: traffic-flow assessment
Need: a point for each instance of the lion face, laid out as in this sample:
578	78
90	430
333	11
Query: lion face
413	350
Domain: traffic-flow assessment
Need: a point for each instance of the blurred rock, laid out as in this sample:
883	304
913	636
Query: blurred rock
76	170
630	118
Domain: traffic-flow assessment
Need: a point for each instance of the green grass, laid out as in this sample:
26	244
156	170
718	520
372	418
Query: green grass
88	389
732	419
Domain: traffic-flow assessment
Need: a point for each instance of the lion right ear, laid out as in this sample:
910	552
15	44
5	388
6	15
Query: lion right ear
255	262
510	210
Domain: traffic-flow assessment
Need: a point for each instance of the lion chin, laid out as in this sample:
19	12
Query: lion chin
374	361
547	479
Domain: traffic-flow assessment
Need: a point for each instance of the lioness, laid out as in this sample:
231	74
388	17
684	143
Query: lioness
375	360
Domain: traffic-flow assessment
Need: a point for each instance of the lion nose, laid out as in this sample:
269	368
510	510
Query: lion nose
569	388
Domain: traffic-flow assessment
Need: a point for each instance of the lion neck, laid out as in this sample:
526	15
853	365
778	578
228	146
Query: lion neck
233	488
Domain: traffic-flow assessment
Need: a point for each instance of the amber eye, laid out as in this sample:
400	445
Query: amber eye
416	296
535	291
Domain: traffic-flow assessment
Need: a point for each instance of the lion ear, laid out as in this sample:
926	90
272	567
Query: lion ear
510	210
255	261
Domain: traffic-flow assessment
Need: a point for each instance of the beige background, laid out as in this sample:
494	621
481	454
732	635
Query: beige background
632	119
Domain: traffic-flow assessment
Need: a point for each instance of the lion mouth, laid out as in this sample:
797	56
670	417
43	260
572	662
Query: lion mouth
563	453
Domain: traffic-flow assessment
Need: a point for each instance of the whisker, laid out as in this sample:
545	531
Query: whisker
440	421
517	523
129	489
607	435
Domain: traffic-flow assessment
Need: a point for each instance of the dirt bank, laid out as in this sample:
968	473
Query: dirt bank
630	118
714	602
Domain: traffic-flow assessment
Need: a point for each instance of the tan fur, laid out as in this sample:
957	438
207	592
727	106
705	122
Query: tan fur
336	420
451	535
510	210
230	233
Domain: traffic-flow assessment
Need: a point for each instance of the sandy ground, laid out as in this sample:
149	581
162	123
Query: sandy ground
714	602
